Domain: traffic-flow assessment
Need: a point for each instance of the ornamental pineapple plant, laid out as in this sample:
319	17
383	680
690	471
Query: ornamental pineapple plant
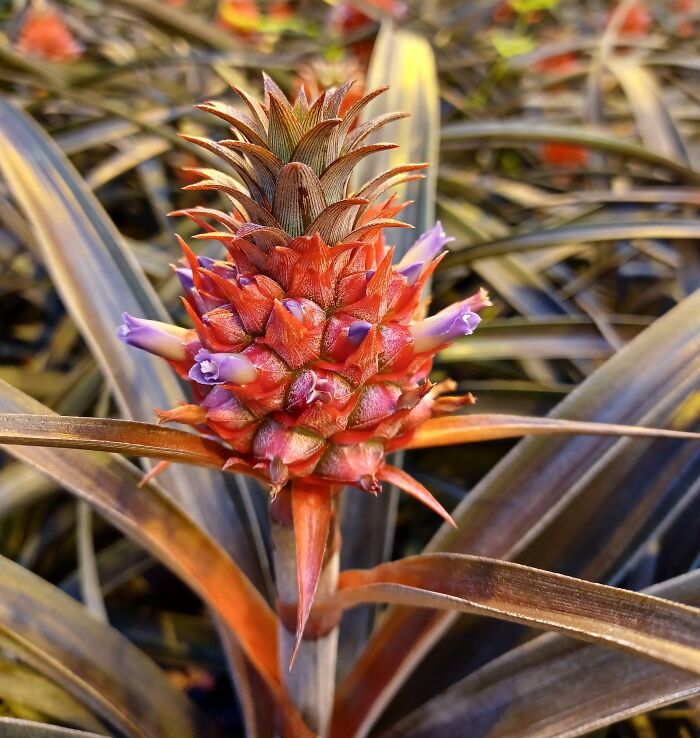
310	352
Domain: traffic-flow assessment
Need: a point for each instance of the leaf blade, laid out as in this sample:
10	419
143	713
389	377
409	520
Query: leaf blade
617	618
603	687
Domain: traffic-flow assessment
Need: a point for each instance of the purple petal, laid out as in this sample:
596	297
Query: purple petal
452	322
153	336
427	247
295	308
185	277
412	272
217	396
219	368
357	331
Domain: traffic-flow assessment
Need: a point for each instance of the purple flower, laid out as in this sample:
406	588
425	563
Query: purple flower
357	331
412	272
295	308
185	277
219	368
453	322
158	338
426	248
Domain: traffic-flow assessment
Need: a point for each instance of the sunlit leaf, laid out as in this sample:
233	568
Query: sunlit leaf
630	621
104	434
405	61
14	728
23	687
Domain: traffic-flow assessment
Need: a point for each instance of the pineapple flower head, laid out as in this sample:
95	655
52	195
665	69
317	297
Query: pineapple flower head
308	356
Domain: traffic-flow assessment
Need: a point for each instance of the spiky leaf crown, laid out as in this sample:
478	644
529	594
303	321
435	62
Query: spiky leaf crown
306	357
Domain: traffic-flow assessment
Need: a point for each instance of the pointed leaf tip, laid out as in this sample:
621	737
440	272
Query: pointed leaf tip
311	510
413	487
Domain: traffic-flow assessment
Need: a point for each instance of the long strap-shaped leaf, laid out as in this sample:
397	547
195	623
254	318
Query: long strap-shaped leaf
450	430
107	434
510	131
60	638
630	621
146	439
588	233
523	687
160	526
14	728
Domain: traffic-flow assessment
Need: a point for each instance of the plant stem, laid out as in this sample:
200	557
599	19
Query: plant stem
311	680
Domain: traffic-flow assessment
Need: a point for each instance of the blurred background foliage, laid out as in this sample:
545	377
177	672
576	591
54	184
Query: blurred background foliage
567	145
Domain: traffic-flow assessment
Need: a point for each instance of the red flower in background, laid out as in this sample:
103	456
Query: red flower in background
346	19
45	35
559	63
637	20
564	154
247	20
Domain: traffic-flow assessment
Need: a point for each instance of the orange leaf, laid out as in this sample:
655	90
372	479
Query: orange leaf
450	430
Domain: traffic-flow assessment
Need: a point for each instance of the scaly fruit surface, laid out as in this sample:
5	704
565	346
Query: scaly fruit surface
308	355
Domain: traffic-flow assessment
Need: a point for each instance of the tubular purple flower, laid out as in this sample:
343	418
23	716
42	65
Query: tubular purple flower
295	308
453	322
185	277
161	339
412	272
426	248
357	332
219	368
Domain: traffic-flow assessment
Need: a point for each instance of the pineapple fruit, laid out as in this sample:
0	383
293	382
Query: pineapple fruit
308	354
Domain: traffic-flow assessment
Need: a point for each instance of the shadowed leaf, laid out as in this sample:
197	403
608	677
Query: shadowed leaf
519	695
630	621
95	663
